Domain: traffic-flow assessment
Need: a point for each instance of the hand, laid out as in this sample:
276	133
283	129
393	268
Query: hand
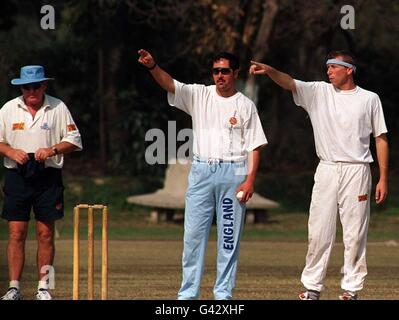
381	191
248	189
146	59
259	68
19	156
43	154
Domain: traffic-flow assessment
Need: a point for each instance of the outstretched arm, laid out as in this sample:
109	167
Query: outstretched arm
381	190
162	77
282	79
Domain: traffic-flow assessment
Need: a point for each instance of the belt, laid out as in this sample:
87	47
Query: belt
211	161
342	163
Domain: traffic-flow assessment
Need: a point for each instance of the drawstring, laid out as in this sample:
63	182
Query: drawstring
212	163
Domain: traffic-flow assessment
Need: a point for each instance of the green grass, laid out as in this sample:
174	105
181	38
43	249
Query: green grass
290	227
129	222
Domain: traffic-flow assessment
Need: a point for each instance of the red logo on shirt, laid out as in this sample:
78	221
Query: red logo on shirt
363	197
18	126
58	206
71	127
233	121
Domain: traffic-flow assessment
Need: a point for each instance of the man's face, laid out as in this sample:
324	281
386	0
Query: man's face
337	74
33	93
223	76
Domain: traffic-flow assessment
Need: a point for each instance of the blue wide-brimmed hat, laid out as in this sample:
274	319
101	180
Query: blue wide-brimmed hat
30	74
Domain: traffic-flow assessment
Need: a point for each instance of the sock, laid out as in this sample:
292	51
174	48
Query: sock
42	285
14	284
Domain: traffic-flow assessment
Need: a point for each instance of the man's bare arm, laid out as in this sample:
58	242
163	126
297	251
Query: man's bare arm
282	79
161	77
381	190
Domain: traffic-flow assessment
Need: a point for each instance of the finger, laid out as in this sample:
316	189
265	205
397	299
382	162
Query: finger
244	196
256	63
22	160
377	193
378	196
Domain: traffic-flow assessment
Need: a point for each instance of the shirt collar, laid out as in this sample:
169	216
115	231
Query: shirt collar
46	104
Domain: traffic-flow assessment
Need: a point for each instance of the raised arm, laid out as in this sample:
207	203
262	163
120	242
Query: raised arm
162	77
282	79
381	190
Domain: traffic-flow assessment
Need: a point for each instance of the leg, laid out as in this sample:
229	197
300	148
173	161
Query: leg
45	248
230	221
48	206
18	231
197	223
322	226
16	209
354	215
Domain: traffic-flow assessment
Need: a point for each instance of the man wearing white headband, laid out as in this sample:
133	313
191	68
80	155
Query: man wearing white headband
343	117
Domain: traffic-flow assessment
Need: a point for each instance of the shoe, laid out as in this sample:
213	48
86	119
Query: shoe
348	295
43	294
12	294
309	295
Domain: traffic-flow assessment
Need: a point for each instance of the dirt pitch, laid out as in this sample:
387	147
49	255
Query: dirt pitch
151	270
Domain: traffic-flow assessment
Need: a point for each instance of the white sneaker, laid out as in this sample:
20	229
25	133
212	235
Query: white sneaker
43	294
348	295
12	294
309	295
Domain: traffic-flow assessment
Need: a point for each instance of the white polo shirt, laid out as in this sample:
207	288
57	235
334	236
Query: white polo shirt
342	120
52	124
224	128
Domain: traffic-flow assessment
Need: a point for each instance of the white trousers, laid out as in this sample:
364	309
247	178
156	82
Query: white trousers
344	189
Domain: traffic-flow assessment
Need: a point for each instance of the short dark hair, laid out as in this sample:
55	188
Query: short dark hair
234	62
347	56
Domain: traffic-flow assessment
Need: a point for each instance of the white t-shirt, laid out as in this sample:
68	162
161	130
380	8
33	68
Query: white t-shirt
342	120
224	128
52	124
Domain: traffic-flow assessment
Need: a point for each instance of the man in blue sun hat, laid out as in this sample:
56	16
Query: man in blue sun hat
36	130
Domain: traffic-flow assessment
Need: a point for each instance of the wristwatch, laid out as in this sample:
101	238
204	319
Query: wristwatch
55	150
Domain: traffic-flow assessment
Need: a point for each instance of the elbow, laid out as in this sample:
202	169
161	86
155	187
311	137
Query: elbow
171	88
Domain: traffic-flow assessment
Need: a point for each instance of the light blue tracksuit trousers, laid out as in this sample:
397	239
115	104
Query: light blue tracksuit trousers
212	188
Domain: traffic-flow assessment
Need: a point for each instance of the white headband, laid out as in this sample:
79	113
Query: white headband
341	63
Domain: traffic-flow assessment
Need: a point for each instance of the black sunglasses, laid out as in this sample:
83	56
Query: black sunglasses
34	86
224	71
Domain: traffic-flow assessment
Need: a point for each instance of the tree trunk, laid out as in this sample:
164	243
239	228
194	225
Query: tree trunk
270	8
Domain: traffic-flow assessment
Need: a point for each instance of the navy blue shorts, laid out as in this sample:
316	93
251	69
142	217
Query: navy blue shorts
44	193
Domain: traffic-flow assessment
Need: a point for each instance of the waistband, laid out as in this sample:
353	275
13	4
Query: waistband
211	161
45	169
342	163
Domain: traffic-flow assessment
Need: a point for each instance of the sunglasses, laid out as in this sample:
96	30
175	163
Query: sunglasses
224	71
34	86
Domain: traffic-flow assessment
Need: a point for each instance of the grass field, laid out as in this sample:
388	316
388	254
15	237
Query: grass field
145	258
268	270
